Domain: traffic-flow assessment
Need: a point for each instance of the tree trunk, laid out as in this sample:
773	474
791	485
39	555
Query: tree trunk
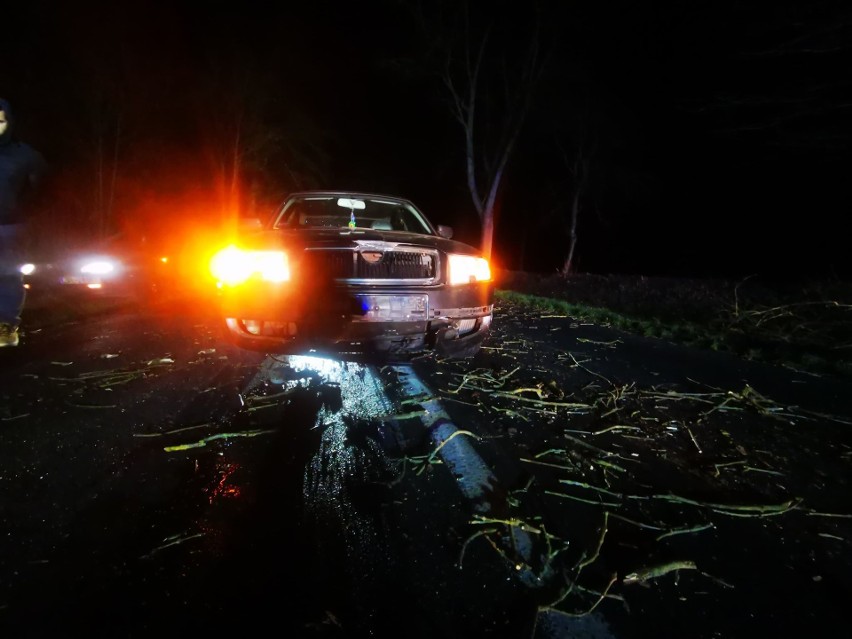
580	171
568	266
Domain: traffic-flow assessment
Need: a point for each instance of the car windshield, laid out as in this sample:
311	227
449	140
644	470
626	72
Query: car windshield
336	211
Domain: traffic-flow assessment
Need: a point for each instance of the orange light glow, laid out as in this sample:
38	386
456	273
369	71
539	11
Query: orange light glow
234	266
465	269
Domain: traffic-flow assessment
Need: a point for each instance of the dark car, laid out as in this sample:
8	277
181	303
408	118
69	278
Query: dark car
354	275
117	267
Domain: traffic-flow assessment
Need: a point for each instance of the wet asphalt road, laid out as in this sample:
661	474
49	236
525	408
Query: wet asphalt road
158	482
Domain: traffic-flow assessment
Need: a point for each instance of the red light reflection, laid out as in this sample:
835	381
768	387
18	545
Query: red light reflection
221	489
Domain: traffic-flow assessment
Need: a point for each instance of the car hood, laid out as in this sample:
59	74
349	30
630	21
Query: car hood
348	238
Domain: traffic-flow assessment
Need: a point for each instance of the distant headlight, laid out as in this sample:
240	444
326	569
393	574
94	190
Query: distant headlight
27	269
465	269
97	267
234	266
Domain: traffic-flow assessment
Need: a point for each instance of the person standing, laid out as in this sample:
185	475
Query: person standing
21	168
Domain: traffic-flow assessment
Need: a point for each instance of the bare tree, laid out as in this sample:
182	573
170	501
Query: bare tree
796	58
578	167
566	138
490	70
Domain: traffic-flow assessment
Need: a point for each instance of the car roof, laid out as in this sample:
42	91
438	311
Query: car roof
353	194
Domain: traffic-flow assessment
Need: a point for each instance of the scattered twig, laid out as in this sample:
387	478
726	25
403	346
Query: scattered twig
449	439
589	371
581	499
734	510
652	572
14	417
203	442
173	541
813	513
692	437
614	427
173	432
684	531
76	405
636	523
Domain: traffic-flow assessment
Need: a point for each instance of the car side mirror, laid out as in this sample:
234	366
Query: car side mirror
445	231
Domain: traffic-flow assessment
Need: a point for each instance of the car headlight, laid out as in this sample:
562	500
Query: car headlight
97	267
27	269
234	266
465	269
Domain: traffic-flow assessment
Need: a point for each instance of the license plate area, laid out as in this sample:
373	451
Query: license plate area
391	308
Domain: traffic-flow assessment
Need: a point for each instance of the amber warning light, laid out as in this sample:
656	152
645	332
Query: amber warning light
234	266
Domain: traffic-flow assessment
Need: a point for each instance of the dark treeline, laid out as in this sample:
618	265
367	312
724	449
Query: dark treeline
700	140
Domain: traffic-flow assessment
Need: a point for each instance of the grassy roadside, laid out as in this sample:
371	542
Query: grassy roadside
805	326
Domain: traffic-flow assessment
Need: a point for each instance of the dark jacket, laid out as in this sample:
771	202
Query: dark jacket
21	168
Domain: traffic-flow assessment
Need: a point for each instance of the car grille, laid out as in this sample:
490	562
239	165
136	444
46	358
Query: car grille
372	265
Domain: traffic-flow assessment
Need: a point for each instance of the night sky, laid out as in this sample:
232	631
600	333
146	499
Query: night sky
716	134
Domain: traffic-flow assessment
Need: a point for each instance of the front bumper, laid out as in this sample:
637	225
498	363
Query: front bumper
389	324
